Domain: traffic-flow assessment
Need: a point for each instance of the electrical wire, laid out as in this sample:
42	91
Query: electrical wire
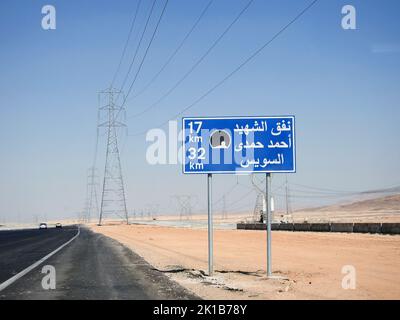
126	43
138	46
238	68
146	52
172	56
196	64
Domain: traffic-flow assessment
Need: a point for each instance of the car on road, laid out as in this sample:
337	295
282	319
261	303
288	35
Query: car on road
43	225
58	225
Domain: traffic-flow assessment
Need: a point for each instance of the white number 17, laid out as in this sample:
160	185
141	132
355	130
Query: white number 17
193	123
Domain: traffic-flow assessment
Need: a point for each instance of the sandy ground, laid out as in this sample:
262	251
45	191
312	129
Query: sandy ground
310	263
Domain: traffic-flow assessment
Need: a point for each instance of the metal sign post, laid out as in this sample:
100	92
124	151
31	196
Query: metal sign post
210	226
238	145
268	201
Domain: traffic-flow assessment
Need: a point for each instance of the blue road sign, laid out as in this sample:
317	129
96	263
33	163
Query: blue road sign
239	144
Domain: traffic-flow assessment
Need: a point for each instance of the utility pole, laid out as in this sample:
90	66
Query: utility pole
113	201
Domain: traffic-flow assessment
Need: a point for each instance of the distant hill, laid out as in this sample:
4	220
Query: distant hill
380	209
395	189
387	203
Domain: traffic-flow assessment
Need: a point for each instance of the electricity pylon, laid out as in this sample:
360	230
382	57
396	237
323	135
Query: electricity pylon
185	205
113	201
259	213
92	202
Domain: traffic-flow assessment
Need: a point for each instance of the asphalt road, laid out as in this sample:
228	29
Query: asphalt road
90	267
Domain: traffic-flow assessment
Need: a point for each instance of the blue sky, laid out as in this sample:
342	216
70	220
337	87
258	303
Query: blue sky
342	86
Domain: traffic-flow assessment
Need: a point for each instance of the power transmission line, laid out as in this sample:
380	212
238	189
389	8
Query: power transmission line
99	104
92	203
225	194
138	46
259	211
242	198
234	71
113	201
185	205
310	196
146	52
223	197
197	63
172	56
326	190
240	207
92	182
113	195
126	43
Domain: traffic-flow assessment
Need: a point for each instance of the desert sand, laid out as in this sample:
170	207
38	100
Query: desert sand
309	264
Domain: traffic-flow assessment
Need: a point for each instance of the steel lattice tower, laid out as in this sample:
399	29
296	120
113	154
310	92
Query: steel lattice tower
113	201
92	203
185	204
258	214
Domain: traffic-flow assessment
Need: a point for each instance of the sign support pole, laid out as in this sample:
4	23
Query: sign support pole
268	200
210	225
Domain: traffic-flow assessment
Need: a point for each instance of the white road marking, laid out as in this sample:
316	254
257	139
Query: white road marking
8	282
